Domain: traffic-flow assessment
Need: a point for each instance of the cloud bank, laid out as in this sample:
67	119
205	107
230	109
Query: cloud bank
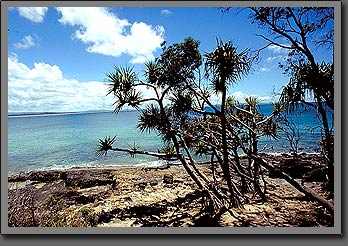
105	33
44	88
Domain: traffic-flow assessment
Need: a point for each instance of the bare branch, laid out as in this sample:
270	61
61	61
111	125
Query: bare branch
274	43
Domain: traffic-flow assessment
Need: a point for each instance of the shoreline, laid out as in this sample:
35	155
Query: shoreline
163	196
147	164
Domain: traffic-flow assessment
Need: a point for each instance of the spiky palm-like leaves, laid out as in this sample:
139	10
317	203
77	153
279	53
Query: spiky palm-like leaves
122	79
153	72
151	119
231	102
132	149
168	149
251	105
306	80
121	85
271	129
252	102
278	108
181	102
226	65
105	145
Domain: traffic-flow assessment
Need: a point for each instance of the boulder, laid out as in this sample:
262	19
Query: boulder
168	179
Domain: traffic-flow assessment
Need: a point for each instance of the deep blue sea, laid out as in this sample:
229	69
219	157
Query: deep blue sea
69	140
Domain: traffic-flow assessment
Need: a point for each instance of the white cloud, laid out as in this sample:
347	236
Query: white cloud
44	88
107	34
26	43
166	12
240	96
265	69
277	49
274	58
35	14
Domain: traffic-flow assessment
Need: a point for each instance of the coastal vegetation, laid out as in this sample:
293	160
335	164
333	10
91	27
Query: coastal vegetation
305	29
218	171
192	124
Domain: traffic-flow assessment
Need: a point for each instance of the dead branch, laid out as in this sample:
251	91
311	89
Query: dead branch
307	191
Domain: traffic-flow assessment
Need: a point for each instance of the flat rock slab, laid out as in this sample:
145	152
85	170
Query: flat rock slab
134	197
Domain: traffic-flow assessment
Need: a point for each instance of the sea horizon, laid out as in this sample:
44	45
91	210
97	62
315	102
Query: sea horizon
47	113
66	140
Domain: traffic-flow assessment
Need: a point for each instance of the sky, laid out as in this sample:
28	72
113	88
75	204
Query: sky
58	58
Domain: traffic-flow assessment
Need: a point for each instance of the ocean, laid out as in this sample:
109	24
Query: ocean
42	142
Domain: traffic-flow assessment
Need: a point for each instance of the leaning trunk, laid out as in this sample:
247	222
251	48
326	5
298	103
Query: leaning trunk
310	193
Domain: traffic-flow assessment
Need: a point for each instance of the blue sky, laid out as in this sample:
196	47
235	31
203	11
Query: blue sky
58	57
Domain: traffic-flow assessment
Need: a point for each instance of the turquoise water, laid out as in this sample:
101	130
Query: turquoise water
63	141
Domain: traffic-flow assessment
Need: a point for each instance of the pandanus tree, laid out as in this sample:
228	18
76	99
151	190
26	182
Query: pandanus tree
172	72
225	65
319	83
191	124
304	30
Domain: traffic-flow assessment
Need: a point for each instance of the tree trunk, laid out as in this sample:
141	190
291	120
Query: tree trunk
307	191
329	152
225	166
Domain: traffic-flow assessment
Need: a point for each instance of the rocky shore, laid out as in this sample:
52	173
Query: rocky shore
162	196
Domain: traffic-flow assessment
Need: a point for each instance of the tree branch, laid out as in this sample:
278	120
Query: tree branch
309	192
159	155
